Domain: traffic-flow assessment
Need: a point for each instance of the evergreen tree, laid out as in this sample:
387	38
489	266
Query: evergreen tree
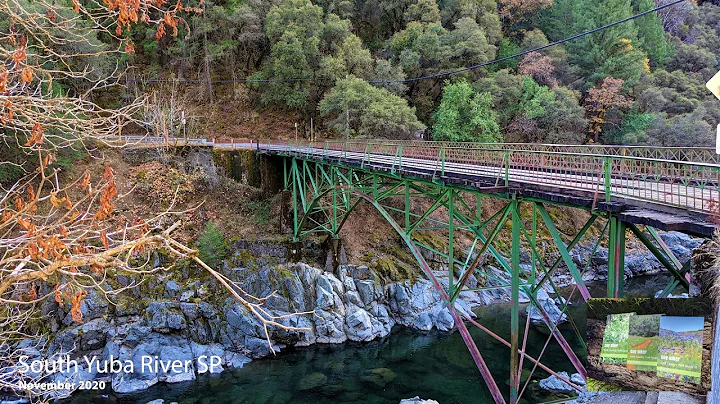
612	52
651	33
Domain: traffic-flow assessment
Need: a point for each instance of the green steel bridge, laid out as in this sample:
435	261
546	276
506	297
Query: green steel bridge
440	187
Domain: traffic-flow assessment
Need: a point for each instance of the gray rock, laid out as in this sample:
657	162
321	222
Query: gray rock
234	360
417	400
327	298
171	288
554	384
329	327
536	318
577	379
165	317
423	322
366	290
671	397
259	347
359	325
157	401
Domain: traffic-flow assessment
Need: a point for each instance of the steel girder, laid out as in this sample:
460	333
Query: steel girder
326	193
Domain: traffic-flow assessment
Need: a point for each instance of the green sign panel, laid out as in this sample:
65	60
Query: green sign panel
615	340
643	342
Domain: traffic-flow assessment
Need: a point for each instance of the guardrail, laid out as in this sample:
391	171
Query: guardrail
691	154
686	178
688	185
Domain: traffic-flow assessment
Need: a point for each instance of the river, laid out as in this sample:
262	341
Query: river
408	363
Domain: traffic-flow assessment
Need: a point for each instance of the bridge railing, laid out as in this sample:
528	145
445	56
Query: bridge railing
693	154
684	184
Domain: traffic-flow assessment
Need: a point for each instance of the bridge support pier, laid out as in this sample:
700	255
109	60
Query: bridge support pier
616	257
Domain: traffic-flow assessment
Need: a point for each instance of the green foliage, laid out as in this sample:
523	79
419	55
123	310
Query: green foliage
652	38
612	52
633	129
564	120
304	46
374	112
506	48
484	12
211	246
682	130
644	326
465	115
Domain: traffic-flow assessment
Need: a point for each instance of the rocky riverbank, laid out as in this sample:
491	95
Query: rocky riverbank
638	260
185	321
184	317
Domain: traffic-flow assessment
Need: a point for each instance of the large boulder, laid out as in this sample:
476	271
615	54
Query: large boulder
546	302
556	385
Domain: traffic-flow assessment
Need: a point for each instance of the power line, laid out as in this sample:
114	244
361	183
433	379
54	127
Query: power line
437	75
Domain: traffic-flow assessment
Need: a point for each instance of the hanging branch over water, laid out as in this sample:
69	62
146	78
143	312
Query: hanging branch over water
62	237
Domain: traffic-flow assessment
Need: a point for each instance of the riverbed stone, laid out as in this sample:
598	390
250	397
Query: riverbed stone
312	381
359	325
417	400
546	302
554	384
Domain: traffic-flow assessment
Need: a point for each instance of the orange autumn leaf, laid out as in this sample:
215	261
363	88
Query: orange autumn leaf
58	295
24	223
33	250
51	14
85	180
31	193
54	200
36	135
96	268
19	55
26	76
76	303
7	214
130	49
63	231
104	239
4	74
160	31
108	174
31	294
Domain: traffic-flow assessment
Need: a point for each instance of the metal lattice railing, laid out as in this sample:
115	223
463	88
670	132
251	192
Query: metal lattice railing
611	172
690	154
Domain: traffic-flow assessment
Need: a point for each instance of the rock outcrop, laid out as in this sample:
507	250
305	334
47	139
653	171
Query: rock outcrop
184	322
638	261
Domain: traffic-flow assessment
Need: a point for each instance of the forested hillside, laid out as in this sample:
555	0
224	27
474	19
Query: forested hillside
641	82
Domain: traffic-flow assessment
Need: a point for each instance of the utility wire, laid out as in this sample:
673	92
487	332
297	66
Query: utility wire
437	75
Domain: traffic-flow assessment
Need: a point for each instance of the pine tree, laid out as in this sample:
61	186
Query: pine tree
612	52
652	35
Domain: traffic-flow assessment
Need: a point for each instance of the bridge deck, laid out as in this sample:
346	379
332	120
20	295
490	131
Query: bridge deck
678	204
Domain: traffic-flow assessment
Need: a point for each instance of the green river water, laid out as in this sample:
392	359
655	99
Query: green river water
405	364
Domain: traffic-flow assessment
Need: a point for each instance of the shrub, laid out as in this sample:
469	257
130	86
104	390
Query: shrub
211	246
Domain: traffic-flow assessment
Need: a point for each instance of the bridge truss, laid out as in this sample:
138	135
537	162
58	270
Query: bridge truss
325	191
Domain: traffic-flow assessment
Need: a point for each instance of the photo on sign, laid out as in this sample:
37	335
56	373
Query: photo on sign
680	348
615	339
643	342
